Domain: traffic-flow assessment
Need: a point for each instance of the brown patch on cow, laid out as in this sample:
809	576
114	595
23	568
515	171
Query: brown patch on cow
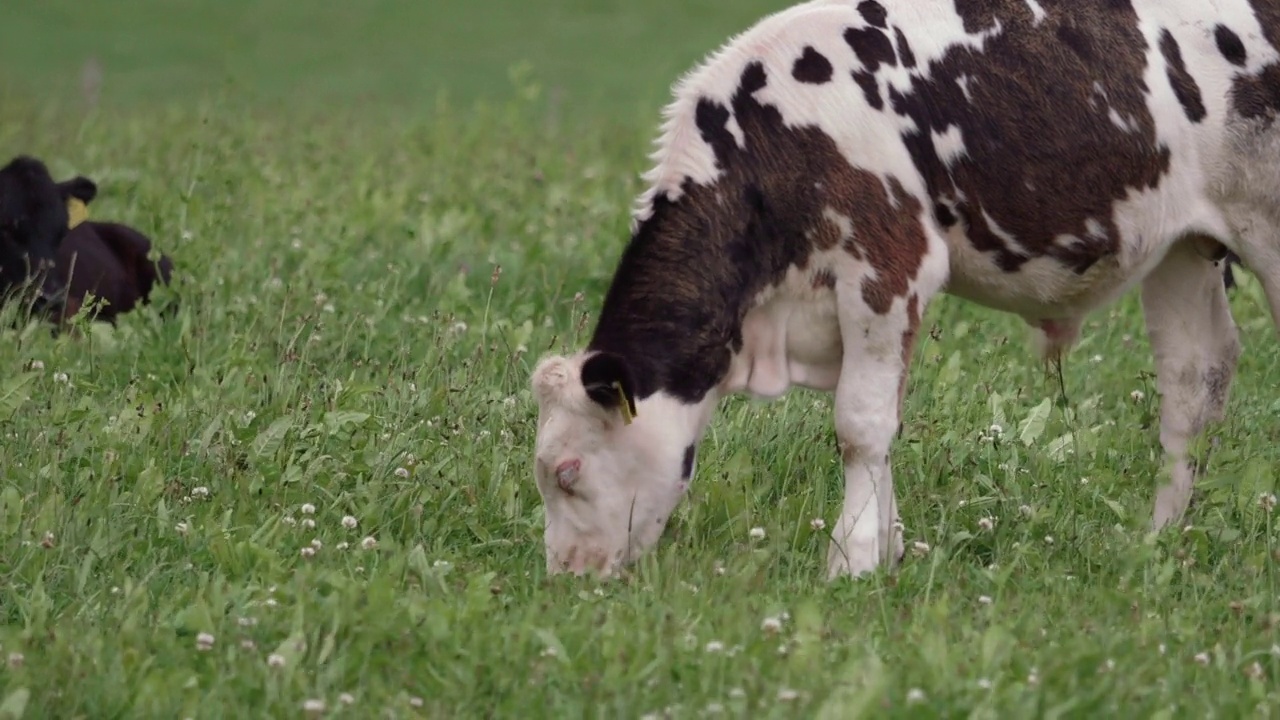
905	54
871	46
891	238
1032	110
812	67
979	15
824	279
694	267
1183	84
908	346
1230	45
870	88
873	12
1257	96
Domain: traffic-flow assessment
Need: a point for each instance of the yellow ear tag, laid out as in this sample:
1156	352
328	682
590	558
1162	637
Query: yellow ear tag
77	212
623	405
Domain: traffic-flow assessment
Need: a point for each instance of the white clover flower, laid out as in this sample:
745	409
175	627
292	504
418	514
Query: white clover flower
757	533
369	543
204	641
771	625
308	552
1267	501
275	660
61	377
200	492
308	509
401	473
349	522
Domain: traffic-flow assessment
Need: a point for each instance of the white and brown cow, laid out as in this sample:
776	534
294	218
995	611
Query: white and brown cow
825	175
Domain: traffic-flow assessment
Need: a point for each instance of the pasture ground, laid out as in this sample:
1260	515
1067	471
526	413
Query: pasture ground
173	493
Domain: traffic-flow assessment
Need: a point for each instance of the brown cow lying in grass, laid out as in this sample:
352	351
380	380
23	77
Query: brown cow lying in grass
54	258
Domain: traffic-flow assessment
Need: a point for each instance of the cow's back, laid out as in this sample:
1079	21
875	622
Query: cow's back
1057	146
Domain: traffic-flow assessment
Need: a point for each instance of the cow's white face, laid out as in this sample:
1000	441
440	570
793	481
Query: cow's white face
608	486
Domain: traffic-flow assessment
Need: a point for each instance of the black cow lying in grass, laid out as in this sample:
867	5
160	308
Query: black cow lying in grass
52	257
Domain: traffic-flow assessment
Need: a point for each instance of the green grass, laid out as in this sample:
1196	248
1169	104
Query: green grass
344	341
596	57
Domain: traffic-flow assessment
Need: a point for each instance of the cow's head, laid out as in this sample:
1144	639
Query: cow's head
35	214
610	470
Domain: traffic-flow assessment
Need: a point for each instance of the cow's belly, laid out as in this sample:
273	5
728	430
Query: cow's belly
1042	288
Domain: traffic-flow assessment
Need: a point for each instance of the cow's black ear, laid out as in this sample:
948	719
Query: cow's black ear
608	381
80	188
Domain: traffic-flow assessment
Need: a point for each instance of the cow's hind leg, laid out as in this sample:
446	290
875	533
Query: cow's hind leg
1196	345
877	350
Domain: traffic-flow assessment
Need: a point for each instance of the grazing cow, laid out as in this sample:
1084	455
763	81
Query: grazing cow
824	176
45	237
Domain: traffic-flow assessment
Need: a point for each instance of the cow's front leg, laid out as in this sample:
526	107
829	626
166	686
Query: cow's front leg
877	348
1196	345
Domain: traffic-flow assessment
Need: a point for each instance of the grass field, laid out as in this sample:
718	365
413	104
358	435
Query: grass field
314	484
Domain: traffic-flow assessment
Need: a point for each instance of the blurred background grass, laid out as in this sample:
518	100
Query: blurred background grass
604	59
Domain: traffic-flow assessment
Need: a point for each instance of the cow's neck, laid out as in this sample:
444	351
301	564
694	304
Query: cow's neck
674	309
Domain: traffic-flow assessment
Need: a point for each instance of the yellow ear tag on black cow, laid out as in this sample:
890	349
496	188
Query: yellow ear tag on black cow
77	212
623	404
